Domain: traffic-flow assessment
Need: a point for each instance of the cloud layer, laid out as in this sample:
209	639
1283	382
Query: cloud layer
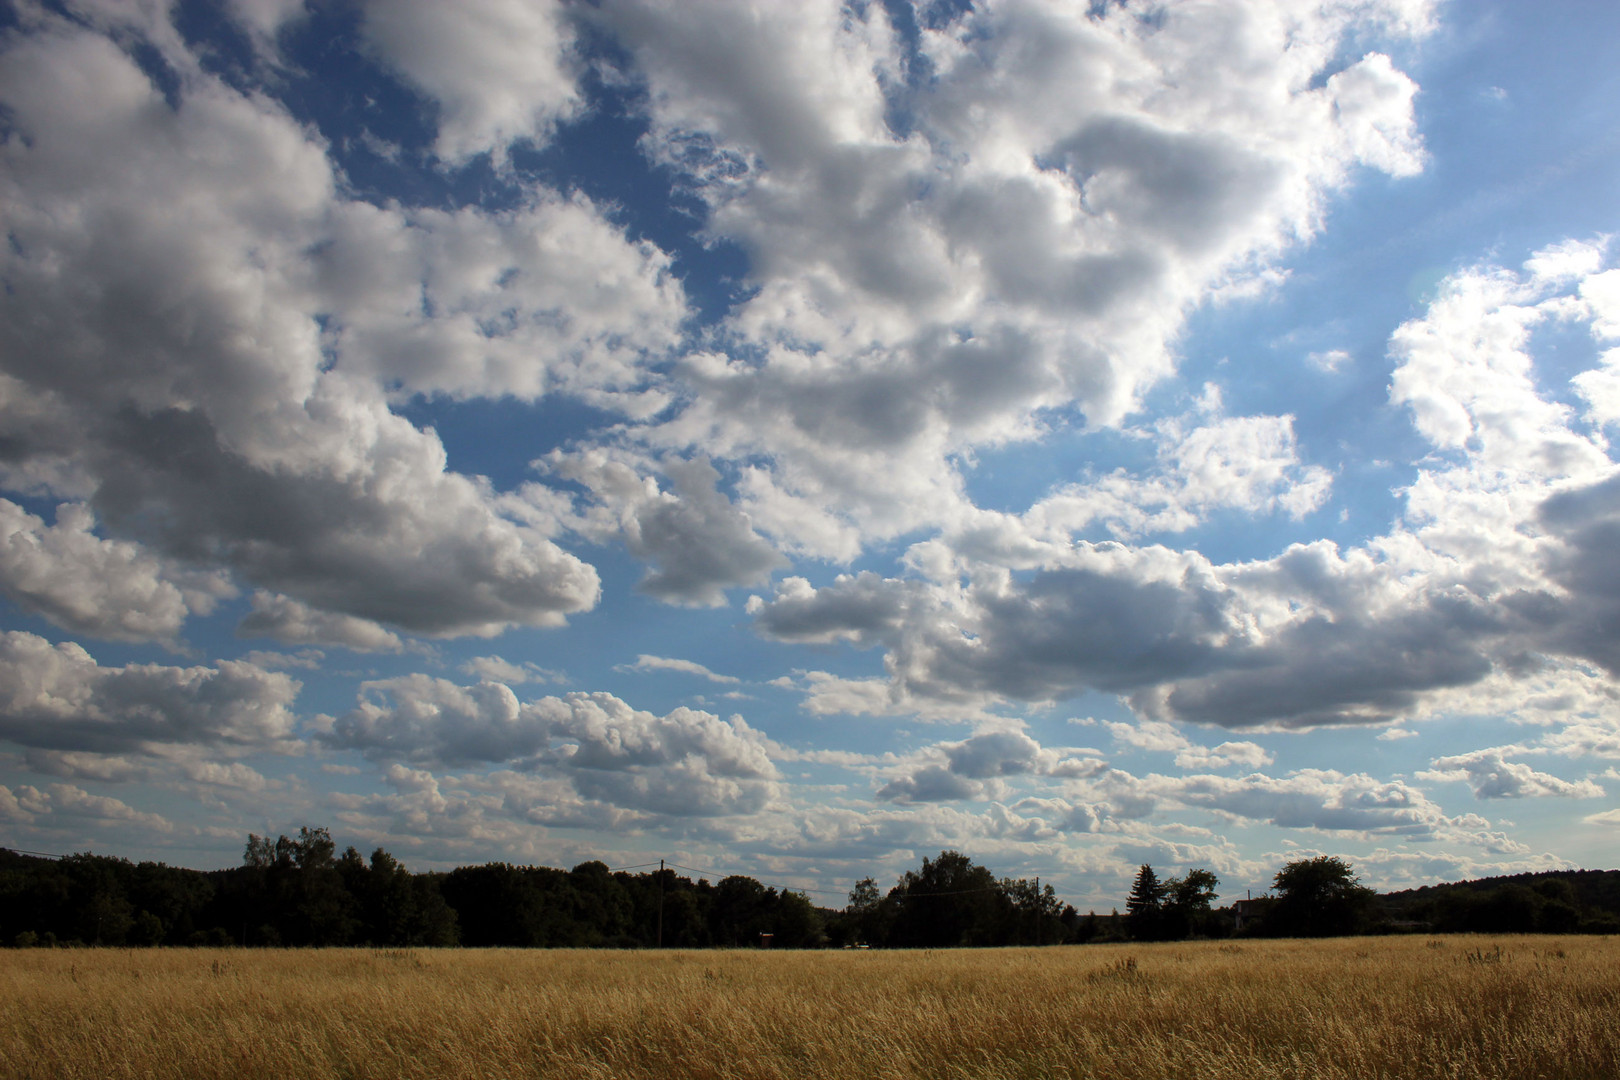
839	360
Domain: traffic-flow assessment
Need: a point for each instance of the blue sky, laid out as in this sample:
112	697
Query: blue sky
797	439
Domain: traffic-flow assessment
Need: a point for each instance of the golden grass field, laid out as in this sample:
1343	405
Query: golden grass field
1460	1008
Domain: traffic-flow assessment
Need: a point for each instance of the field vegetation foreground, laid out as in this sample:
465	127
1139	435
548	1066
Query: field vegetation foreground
1455	1007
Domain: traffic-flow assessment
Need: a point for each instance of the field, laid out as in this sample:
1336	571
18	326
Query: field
1363	1008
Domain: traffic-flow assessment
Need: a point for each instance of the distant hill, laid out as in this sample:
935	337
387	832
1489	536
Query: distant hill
1556	901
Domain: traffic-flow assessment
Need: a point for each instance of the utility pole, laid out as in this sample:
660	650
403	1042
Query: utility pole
1037	911
660	903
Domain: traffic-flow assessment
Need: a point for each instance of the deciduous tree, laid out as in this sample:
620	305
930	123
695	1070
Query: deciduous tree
1318	897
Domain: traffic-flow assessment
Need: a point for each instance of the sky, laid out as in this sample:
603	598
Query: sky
796	439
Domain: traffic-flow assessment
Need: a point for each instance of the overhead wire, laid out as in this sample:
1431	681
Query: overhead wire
778	884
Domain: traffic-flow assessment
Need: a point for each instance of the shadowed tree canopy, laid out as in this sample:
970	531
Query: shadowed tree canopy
1172	909
1318	897
950	901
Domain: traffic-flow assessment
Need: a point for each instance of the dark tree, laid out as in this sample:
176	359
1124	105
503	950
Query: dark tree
603	905
1318	897
396	906
1035	916
740	909
1144	908
951	901
1186	910
865	919
174	896
796	923
519	906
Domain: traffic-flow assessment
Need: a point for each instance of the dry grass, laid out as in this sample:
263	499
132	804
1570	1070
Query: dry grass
1363	1008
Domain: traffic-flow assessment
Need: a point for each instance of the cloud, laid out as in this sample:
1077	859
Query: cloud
499	812
547	297
1228	755
974	768
1585	734
1465	374
686	762
1349	671
1388	870
863	609
932	783
1046	638
1496	570
192	378
264	19
1310	799
1247	463
499	70
1185	639
427	720
495	669
293	623
645	662
996	753
1492	776
697	542
827	694
1089	624
997	215
1322	799
1063	816
104	588
183	769
1149	735
57	697
303	658
67	806
1330	361
1373	103
1585	522
1015	245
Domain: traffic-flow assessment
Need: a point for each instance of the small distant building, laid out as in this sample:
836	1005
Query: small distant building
1247	914
765	940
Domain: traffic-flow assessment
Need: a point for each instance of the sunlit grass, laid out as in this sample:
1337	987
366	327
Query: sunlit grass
1362	1008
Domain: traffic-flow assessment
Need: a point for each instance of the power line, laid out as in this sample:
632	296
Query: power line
778	884
907	895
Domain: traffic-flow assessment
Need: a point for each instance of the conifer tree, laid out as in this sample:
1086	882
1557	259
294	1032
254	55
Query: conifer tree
1144	908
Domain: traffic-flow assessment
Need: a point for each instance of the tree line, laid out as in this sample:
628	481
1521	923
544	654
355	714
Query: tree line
299	891
1322	897
1555	902
1317	897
